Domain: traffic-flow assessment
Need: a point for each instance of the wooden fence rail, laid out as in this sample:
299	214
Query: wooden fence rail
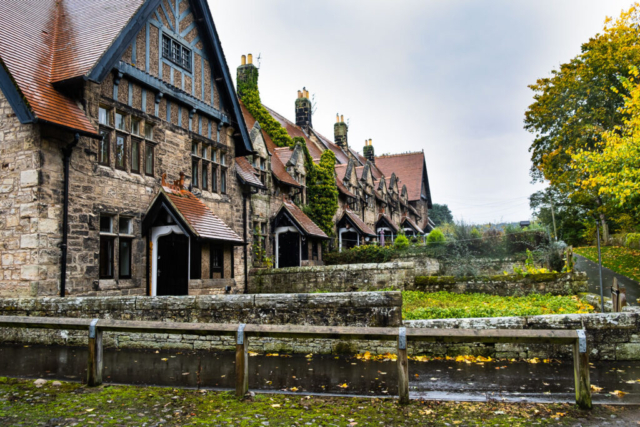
242	332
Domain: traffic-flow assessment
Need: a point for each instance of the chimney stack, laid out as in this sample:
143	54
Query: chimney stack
304	110
340	130
368	152
247	74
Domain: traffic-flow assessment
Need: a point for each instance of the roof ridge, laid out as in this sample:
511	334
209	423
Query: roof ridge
408	153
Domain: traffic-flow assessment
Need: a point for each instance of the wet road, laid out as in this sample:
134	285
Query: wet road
591	268
325	374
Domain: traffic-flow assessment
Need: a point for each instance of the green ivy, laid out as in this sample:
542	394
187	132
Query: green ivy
322	191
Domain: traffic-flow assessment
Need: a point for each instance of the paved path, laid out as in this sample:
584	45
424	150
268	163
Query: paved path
591	268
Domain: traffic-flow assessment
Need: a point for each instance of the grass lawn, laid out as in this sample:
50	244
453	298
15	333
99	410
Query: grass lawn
622	260
445	305
22	403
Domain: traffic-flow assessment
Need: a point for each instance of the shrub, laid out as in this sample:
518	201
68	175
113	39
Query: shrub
401	242
436	236
633	241
366	254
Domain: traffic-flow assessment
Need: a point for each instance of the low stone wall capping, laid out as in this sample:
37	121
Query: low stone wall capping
505	285
610	336
366	309
332	278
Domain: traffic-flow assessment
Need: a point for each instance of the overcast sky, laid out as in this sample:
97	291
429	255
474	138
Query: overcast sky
445	76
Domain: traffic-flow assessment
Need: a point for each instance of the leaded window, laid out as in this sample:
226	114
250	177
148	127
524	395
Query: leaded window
176	53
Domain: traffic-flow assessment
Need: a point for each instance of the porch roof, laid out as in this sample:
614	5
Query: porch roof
357	223
304	223
193	215
384	220
407	220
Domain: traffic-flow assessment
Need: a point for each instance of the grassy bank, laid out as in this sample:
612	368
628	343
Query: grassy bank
22	403
622	260
445	305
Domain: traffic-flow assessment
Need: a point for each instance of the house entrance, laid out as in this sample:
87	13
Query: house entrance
173	265
289	250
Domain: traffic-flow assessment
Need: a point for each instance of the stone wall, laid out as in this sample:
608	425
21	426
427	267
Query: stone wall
333	278
610	336
29	230
345	309
511	285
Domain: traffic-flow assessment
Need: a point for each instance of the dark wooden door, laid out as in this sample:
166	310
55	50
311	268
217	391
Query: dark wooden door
173	265
289	250
349	240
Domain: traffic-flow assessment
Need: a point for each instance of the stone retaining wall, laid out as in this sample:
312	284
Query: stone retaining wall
332	278
610	336
511	285
344	309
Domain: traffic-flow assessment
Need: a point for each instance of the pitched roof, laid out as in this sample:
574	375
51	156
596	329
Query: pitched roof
247	173
307	225
277	167
385	218
408	167
295	131
46	41
341	157
284	154
358	223
195	215
412	224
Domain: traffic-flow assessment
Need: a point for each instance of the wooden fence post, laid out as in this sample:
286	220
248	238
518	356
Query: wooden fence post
581	371
403	367
242	362
94	361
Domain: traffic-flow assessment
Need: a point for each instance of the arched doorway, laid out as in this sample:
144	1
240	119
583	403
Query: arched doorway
172	265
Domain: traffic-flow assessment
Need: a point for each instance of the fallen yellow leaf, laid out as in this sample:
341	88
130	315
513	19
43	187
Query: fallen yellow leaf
275	405
618	393
596	388
343	385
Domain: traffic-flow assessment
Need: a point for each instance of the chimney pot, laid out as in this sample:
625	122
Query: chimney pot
250	58
299	94
337	118
342	118
243	60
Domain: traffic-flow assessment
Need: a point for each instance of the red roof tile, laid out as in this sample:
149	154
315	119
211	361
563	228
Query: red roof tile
198	217
247	172
277	168
304	221
284	154
413	224
43	41
364	228
341	157
389	221
408	167
295	131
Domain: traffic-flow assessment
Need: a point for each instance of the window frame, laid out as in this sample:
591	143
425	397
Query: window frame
223	181
124	121
122	240
139	143
149	147
124	151
219	250
205	180
214	178
106	140
111	262
195	175
177	59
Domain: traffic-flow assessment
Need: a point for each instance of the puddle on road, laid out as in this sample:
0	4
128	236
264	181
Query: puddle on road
326	374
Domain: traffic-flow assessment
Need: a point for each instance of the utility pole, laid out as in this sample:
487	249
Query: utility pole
553	216
600	265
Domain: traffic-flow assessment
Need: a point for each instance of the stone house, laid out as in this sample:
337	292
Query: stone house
119	134
378	196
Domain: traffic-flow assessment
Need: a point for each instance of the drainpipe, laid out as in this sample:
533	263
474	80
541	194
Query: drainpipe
66	158
244	236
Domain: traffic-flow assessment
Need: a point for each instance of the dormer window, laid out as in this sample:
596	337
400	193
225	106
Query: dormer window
176	53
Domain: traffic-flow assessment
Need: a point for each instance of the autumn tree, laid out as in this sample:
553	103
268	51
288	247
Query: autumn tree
613	170
577	104
440	214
